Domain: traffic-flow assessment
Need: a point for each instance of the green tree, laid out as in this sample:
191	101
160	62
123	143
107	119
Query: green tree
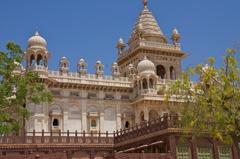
17	86
212	103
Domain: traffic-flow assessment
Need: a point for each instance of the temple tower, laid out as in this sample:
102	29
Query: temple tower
147	39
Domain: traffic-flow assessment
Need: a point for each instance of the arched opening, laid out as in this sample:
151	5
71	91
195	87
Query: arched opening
32	60
127	124
144	84
40	60
161	71
172	73
142	117
93	123
151	83
153	115
55	122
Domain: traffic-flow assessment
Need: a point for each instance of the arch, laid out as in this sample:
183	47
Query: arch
55	109
142	117
161	71
172	73
144	84
92	109
109	114
40	60
153	115
127	124
32	60
151	83
74	112
55	122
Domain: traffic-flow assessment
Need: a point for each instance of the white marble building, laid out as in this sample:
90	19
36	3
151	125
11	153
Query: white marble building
96	102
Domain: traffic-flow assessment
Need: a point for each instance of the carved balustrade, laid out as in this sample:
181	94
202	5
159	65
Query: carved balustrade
164	122
58	138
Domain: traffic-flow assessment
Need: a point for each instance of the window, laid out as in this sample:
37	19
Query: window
224	152
93	123
56	93
74	94
183	152
125	97
55	122
109	96
204	152
127	124
92	95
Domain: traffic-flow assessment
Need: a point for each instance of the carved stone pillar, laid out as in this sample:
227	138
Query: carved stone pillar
119	121
146	113
84	121
167	76
102	122
65	121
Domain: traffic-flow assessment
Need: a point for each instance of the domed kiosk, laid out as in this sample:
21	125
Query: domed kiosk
146	80
37	54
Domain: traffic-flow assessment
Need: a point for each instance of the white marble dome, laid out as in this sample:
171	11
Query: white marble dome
146	67
37	41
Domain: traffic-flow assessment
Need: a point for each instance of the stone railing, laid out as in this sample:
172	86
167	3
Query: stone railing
75	75
90	79
152	44
58	138
38	68
159	45
164	122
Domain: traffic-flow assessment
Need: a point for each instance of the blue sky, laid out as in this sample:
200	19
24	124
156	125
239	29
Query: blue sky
90	28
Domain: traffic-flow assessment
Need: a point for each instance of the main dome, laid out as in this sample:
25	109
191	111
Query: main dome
146	66
37	41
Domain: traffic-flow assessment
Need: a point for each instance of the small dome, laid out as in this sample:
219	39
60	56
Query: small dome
37	41
146	66
175	32
115	64
120	41
63	59
98	62
81	60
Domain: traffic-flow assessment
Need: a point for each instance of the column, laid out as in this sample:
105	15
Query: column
102	122
215	149
84	110
84	121
235	150
65	121
194	148
172	146
146	113
119	121
167	72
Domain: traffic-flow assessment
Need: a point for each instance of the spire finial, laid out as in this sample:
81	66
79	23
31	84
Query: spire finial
145	3
36	31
